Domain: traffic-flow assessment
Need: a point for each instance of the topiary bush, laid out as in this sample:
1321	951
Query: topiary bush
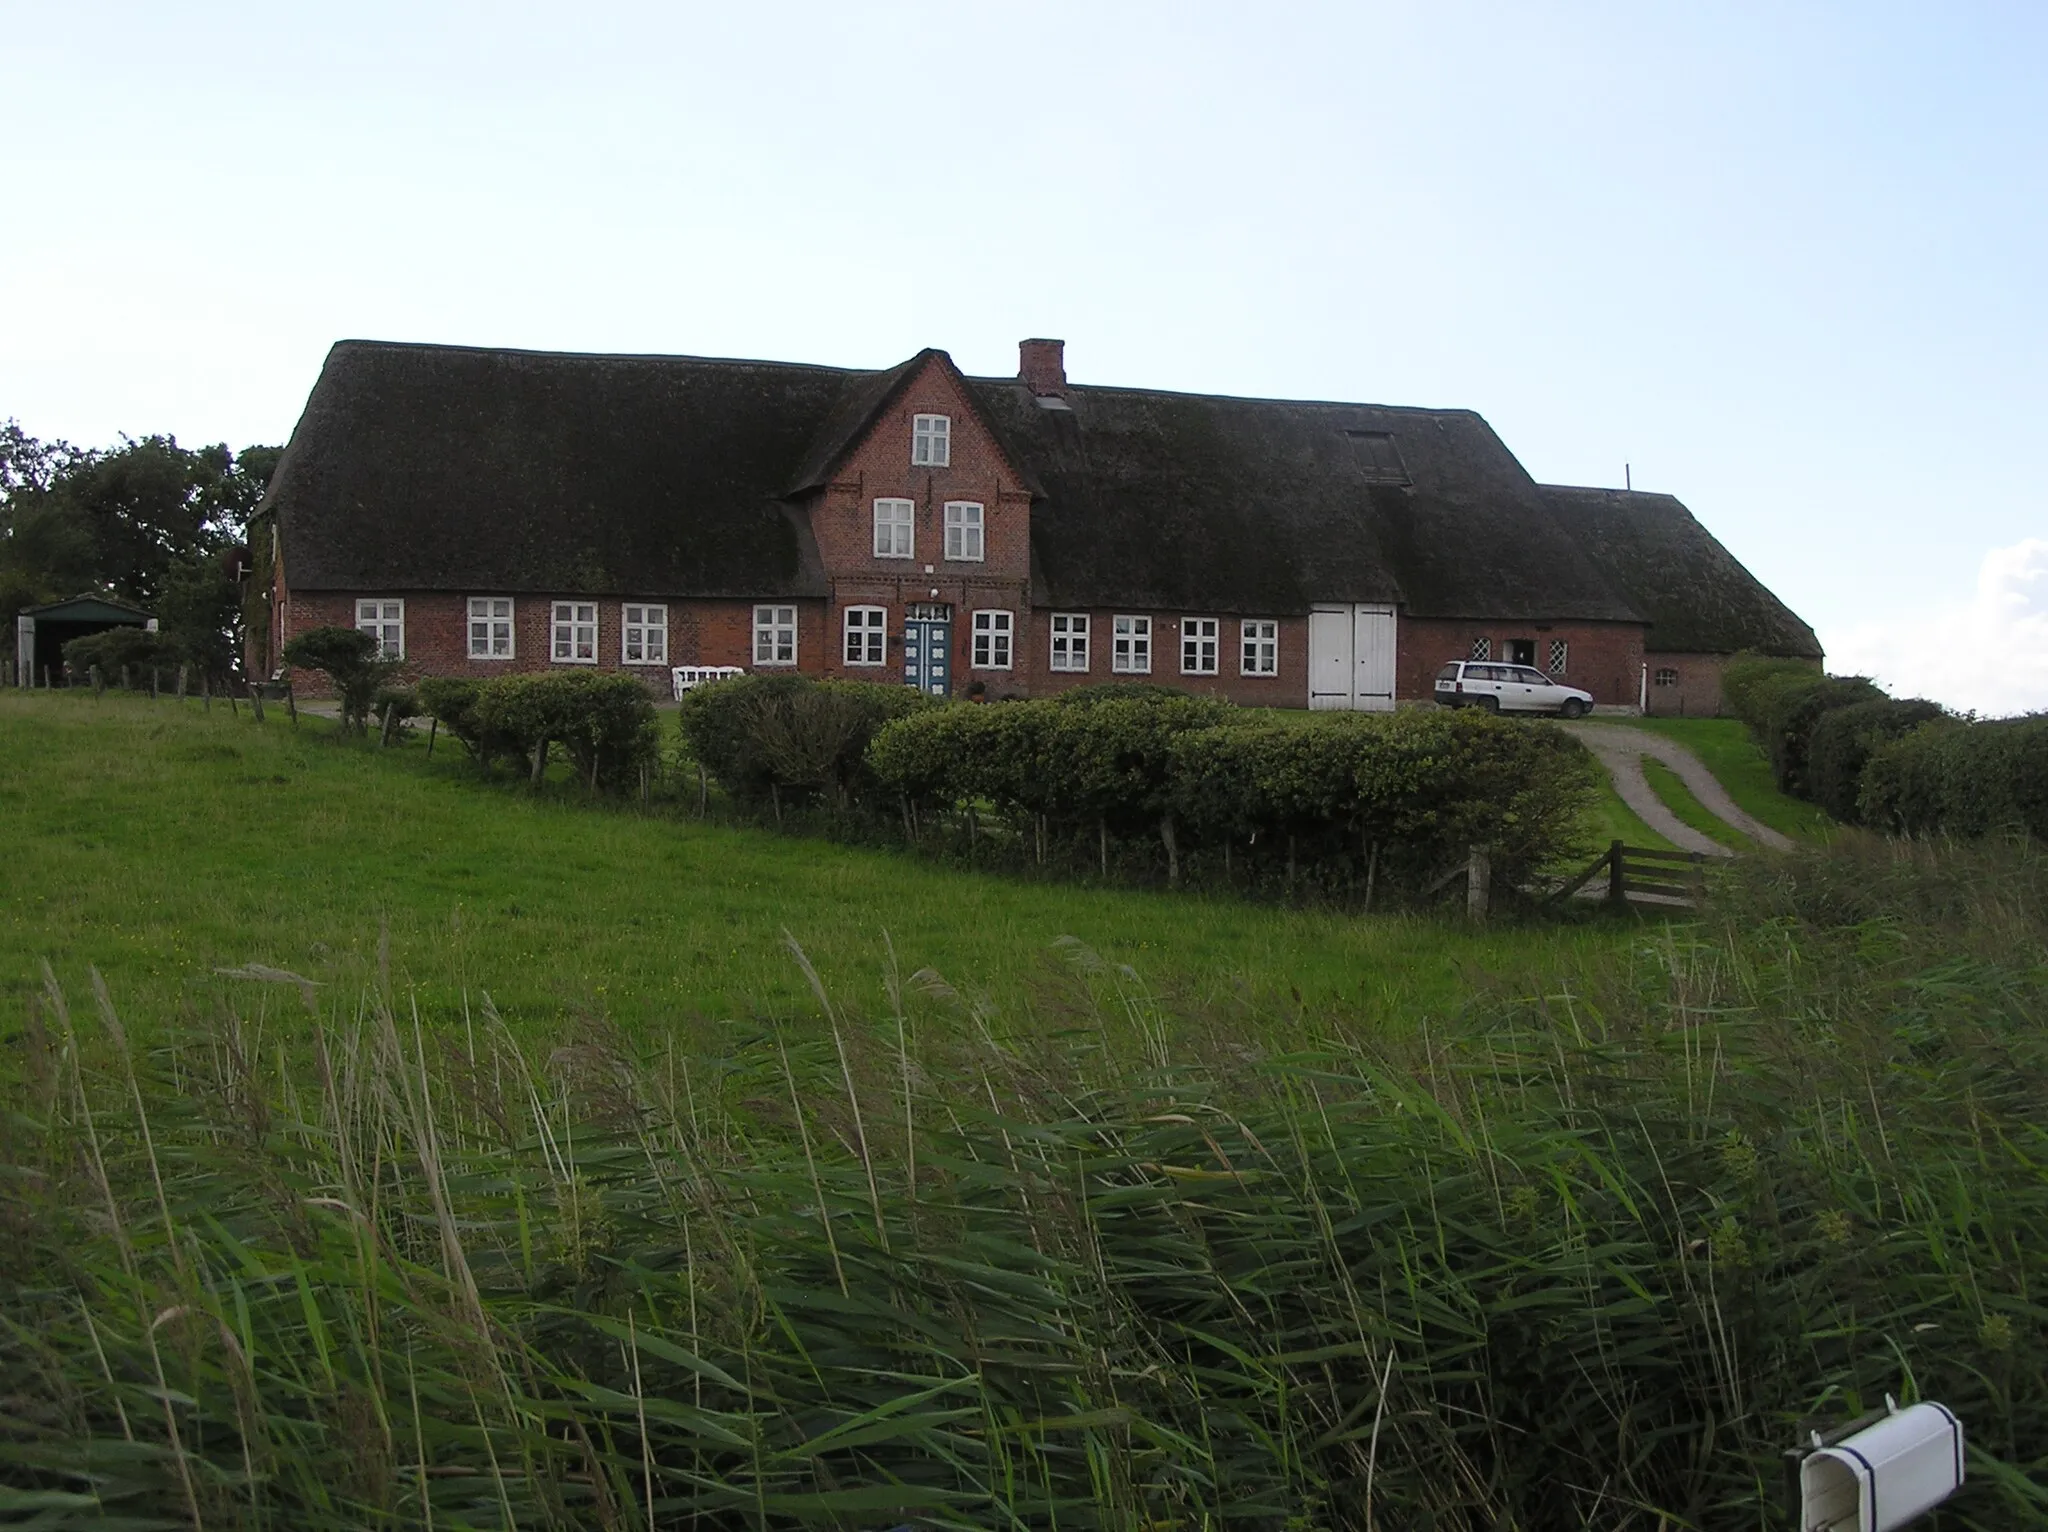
605	722
455	702
349	659
1843	741
763	736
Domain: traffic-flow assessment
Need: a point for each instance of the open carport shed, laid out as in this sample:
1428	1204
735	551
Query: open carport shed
41	632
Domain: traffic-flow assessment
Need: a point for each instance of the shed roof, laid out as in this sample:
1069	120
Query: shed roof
88	608
1698	597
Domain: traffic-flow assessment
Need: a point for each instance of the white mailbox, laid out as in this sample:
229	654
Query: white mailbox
1905	1463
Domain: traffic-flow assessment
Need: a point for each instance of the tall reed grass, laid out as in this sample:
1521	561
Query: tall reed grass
1583	1259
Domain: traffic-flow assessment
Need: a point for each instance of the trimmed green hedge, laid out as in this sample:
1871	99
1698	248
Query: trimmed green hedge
1391	798
137	648
1843	741
606	723
763	736
1961	778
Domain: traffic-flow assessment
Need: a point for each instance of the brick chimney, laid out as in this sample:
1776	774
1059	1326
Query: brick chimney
1042	367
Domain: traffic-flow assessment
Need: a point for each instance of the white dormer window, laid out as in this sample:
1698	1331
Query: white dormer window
931	441
892	529
963	531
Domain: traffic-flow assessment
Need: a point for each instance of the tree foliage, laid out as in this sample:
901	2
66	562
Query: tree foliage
149	522
349	659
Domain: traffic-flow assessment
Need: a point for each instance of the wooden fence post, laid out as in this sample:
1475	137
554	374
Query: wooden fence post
155	678
256	700
124	679
1478	882
99	682
205	691
433	729
291	705
181	682
1617	875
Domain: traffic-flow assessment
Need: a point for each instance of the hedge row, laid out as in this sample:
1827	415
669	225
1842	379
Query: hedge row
137	648
1961	778
1903	765
765	737
606	723
1392	797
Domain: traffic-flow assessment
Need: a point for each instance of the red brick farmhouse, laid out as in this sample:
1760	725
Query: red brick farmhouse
489	511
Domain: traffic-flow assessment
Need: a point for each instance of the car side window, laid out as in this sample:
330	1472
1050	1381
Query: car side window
1534	677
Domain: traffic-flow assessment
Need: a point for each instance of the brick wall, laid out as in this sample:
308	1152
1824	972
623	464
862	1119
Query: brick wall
1604	658
1287	689
437	634
879	467
1695	688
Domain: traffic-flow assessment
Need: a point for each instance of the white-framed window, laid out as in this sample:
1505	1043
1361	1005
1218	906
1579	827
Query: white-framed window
490	628
643	635
892	528
963	531
384	621
992	633
931	441
1130	645
1198	646
774	635
1560	655
1070	641
574	633
1260	652
866	635
1482	648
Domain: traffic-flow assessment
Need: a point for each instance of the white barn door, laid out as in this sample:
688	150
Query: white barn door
1372	652
1351	657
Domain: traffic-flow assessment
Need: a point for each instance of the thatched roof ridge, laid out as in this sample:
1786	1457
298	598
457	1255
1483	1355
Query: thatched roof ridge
1698	597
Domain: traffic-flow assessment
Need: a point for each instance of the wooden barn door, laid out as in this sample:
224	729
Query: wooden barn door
1351	657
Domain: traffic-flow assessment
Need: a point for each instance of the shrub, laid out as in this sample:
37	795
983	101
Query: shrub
605	722
1842	742
137	648
456	703
1750	678
1124	691
1962	779
1789	708
349	660
765	734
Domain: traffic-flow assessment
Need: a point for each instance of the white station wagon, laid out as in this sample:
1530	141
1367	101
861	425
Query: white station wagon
1503	688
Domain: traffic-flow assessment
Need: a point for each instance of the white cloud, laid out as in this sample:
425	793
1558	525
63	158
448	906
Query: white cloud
1989	654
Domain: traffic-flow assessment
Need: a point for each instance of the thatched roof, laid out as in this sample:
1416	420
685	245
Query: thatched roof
447	468
1696	594
450	468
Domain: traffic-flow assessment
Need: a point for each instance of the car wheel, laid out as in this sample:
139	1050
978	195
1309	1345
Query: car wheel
1489	704
1573	708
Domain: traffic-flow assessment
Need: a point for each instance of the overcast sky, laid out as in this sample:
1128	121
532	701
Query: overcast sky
1785	260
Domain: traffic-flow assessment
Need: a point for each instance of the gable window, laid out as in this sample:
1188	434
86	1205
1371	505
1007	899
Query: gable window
1379	457
774	635
490	627
1482	648
385	622
1130	645
1560	652
575	632
963	531
931	441
1667	677
892	529
1198	645
1260	655
992	632
866	640
643	635
1070	641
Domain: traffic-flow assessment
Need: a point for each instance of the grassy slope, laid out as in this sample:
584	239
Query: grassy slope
1734	759
160	843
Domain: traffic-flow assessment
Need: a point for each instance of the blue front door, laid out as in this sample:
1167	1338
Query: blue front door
927	655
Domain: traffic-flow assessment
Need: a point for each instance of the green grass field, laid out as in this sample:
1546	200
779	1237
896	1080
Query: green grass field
1736	762
161	843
